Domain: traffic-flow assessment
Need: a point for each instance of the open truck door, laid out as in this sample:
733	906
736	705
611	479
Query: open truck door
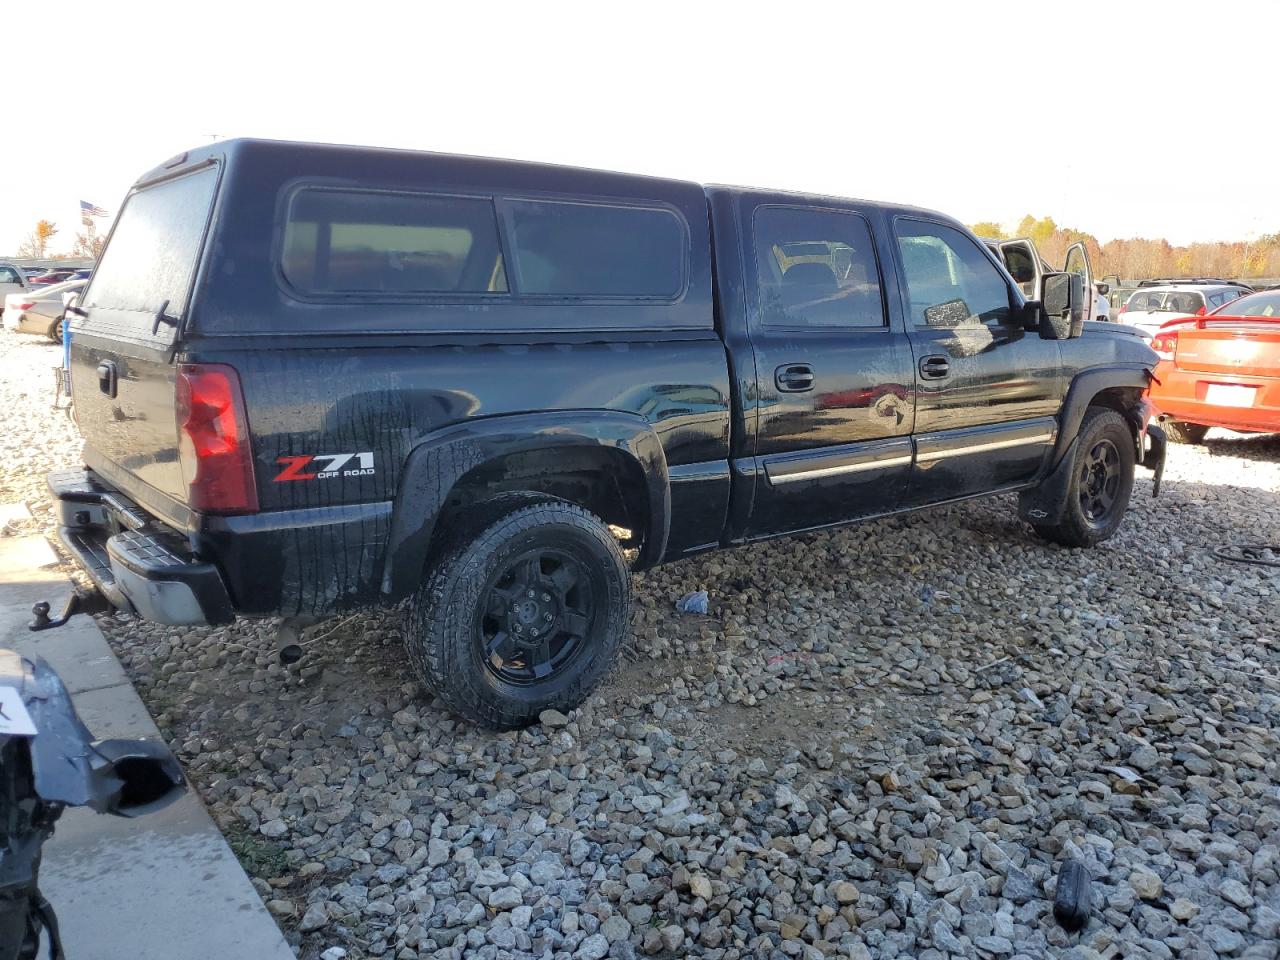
1077	262
1022	260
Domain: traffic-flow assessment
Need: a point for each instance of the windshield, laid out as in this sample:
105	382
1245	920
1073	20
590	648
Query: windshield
1254	305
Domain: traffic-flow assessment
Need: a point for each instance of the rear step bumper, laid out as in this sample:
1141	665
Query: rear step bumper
138	566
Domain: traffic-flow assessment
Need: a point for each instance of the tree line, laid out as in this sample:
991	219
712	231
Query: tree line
1139	258
36	244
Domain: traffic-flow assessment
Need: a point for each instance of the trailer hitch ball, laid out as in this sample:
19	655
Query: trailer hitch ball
78	602
40	613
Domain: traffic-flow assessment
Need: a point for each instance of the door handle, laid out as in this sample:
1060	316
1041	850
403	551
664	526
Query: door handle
934	367
107	378
794	377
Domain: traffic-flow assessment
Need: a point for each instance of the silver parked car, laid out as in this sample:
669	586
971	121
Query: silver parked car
40	309
1157	302
12	279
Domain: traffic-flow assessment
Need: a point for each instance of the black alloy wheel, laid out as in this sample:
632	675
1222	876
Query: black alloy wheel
1100	480
536	616
523	607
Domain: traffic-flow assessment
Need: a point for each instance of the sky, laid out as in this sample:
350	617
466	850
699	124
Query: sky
1122	119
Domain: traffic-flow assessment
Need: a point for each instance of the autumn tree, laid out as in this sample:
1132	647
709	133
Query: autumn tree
1140	258
88	244
36	245
988	228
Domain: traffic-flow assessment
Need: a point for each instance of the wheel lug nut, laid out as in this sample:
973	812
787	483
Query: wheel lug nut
546	617
530	593
546	598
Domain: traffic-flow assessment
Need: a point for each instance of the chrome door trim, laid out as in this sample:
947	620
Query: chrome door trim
946	444
839	460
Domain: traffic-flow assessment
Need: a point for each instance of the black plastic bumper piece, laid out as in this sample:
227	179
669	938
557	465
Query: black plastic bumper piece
139	566
1153	456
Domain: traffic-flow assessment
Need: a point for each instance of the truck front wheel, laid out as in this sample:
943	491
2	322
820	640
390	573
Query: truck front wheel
1101	482
524	610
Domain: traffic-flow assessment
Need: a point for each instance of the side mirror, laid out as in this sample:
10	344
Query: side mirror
1104	288
1062	302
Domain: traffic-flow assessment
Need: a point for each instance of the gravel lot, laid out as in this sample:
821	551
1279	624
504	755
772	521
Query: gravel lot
883	742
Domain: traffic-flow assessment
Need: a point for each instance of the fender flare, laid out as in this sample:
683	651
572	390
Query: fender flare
1044	502
1084	387
435	465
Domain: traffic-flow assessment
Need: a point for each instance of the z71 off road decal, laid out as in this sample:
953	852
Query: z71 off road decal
322	466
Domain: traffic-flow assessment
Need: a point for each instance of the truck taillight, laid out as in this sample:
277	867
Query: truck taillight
1164	344
213	440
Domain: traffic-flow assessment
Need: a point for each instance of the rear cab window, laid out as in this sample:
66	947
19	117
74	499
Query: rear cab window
816	268
151	257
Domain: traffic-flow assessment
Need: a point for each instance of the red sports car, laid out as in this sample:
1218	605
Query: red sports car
1220	370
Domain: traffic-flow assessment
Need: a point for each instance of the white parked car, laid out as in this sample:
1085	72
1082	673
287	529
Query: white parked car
40	309
12	280
1153	305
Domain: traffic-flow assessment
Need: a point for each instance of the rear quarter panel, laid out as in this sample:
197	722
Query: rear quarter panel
323	536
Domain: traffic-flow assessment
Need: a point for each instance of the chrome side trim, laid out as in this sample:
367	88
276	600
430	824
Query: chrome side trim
819	472
989	445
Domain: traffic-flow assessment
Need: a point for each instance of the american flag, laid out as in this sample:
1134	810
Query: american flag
88	209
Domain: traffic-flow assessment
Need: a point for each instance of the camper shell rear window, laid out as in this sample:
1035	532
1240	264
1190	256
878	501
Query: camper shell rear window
150	260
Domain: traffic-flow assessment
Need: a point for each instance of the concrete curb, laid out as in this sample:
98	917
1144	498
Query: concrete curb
162	887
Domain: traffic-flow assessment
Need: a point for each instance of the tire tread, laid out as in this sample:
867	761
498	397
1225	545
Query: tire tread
441	604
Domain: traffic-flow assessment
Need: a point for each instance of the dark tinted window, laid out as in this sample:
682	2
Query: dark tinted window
152	254
949	281
816	268
371	242
593	250
9	275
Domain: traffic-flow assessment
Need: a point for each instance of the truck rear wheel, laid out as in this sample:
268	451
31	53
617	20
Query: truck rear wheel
1101	482
524	610
1179	431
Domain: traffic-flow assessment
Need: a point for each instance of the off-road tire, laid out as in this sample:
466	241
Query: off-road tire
1076	528
1179	431
55	330
442	639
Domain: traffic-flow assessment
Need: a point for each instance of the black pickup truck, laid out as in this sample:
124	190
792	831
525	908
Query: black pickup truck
313	377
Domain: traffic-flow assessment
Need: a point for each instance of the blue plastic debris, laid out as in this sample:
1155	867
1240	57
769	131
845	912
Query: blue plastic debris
695	602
